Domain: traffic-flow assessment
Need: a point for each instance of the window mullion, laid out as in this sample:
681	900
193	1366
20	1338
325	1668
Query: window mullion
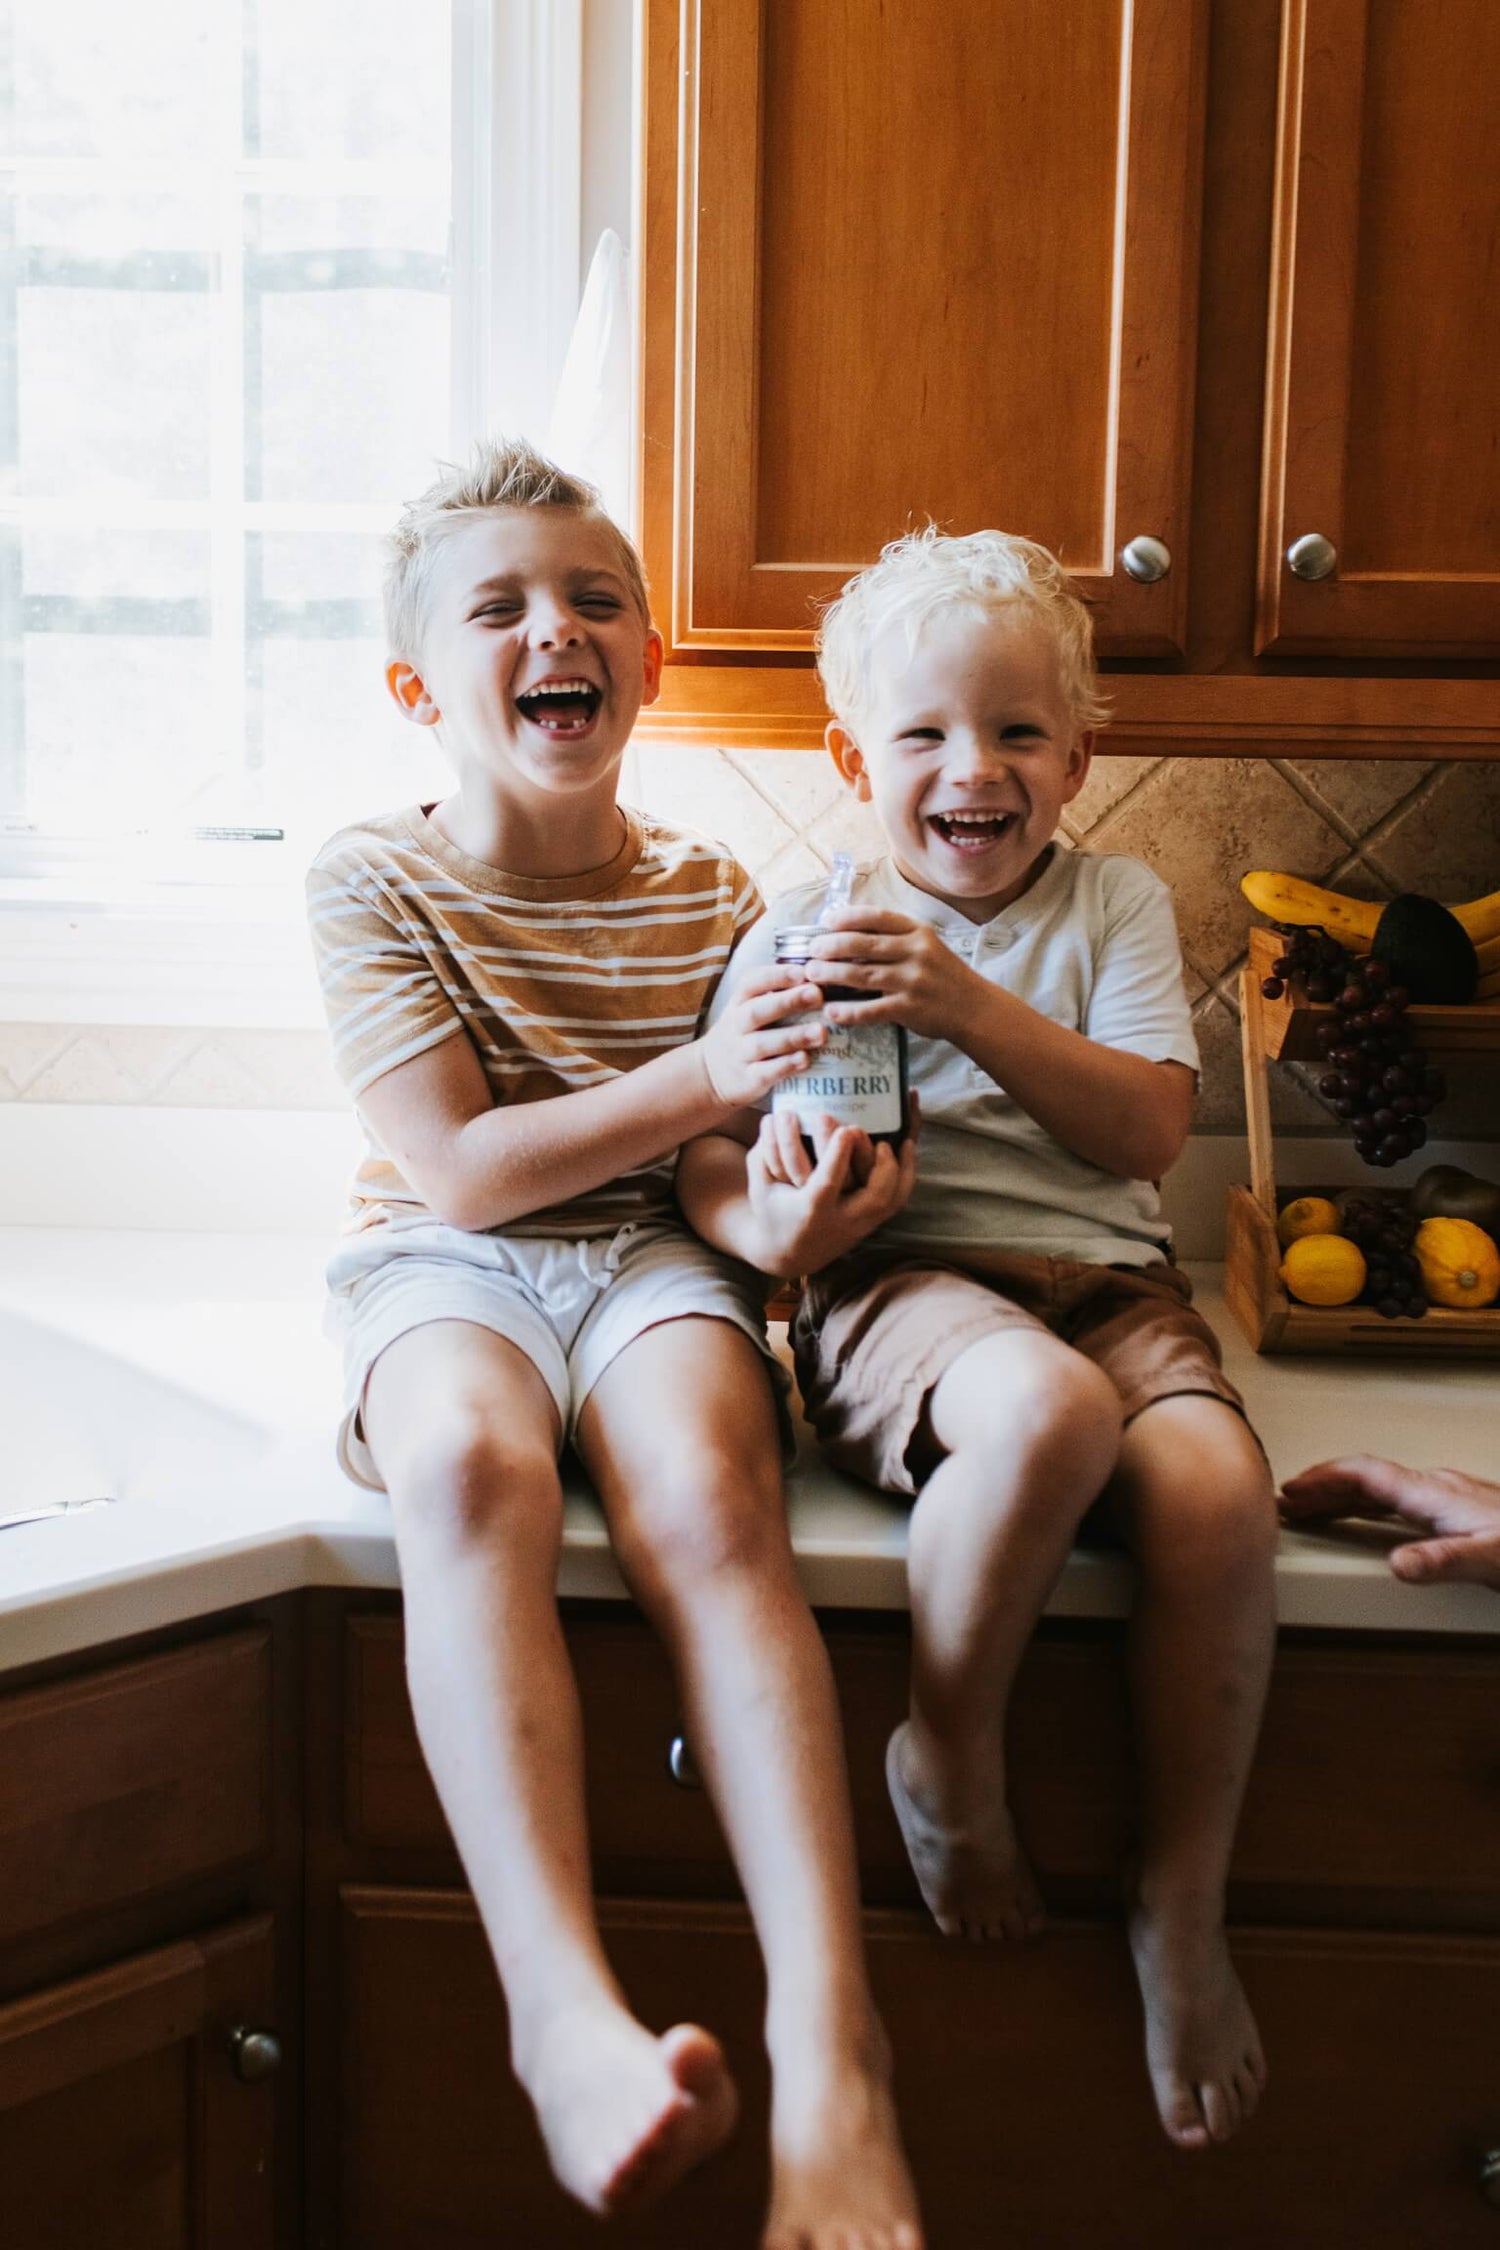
226	715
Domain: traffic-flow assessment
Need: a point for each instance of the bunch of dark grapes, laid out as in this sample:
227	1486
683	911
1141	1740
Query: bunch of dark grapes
1384	1227
1375	1078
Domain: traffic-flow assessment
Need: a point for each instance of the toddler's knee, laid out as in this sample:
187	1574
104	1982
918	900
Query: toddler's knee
473	1477
1088	1400
1226	1510
1030	1394
1076	1415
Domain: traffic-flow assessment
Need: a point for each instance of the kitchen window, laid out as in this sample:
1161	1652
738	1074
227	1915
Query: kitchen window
262	263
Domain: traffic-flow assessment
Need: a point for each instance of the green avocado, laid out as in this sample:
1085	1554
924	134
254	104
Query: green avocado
1428	950
1446	1191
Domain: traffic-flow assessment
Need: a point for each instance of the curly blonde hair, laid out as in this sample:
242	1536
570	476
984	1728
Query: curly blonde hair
930	570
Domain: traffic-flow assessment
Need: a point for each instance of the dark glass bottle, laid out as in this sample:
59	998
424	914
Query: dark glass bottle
858	1076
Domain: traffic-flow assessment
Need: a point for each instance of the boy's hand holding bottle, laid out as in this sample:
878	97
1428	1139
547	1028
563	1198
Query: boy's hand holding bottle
753	1047
812	1207
910	976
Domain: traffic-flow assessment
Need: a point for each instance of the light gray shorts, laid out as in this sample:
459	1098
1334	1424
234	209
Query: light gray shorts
570	1306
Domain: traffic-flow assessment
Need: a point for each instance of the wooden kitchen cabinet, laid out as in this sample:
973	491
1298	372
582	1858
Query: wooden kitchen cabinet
1366	1905
236	1832
1382	424
149	1838
123	2117
1217	272
1011	2067
900	269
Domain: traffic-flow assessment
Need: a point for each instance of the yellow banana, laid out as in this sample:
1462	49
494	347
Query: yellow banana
1286	898
1480	917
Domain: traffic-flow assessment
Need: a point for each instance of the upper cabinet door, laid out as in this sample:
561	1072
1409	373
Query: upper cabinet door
1383	412
909	263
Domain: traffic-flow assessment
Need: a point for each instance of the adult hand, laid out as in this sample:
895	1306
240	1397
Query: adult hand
909	974
1460	1513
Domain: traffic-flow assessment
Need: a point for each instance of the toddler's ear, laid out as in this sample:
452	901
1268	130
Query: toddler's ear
1080	758
849	758
410	695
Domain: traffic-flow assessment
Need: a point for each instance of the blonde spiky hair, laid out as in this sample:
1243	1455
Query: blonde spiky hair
500	473
930	570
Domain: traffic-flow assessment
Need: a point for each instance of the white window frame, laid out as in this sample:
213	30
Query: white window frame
195	932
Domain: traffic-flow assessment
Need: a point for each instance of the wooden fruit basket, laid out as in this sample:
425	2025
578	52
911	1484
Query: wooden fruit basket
1286	1030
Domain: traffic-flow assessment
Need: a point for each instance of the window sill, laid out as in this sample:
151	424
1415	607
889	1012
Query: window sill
145	952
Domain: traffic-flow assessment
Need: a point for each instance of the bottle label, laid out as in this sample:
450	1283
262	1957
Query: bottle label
855	1079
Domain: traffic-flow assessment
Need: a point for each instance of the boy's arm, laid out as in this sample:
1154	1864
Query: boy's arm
477	1166
1120	1110
762	1198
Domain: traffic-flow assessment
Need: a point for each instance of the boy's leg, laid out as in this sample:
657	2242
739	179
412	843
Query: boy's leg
1028	1432
464	1432
1195	1501
679	1435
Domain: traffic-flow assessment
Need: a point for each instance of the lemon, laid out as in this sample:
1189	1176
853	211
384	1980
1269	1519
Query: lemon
1323	1269
1310	1214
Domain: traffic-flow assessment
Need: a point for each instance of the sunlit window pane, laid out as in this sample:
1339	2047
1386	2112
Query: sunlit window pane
114	78
115	731
225	344
346	345
327	739
360	78
107	651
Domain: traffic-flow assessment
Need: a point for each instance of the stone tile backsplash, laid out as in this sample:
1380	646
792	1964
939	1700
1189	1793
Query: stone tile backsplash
1371	827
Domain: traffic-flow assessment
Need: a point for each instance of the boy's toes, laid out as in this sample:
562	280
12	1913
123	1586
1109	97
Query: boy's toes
1248	2091
1182	2113
1221	2107
696	2061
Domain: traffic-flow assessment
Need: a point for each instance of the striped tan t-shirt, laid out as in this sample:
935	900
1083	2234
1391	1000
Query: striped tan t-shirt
559	984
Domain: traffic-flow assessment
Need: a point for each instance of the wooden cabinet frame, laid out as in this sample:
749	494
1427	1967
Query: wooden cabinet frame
189	1995
699	389
1310	375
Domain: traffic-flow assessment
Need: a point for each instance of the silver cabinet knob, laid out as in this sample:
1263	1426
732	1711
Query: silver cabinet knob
254	2054
1146	560
680	1764
1489	2176
1312	556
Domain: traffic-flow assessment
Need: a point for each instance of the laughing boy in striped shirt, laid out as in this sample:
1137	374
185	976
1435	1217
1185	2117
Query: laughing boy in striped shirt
516	981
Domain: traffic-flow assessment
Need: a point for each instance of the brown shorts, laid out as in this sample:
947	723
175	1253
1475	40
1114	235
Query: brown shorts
874	1333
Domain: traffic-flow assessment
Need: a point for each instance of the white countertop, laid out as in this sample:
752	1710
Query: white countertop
188	1374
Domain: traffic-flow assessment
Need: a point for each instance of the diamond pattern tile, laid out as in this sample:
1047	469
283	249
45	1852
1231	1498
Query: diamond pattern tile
1109	780
702	790
1447	841
1368	826
1201	823
801	784
27	1048
1359	791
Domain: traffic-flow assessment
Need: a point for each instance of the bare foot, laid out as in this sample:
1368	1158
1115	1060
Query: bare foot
975	1877
1202	2048
839	2178
625	2114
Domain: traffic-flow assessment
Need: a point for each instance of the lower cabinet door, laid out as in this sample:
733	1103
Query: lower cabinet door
1020	2076
439	2149
1029	2118
126	2122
